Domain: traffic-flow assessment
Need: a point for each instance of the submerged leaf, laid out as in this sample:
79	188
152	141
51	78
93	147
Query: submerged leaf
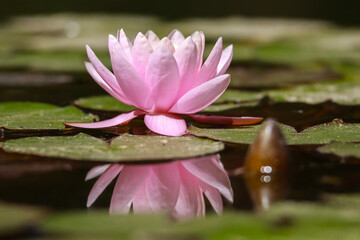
127	148
26	115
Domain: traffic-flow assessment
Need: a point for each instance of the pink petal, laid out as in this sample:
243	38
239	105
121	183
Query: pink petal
141	53
209	68
225	60
96	171
166	124
211	172
121	119
127	185
153	38
222	120
162	75
116	92
187	205
202	96
103	181
186	58
176	36
141	202
163	186
199	40
213	195
125	44
103	72
132	84
166	43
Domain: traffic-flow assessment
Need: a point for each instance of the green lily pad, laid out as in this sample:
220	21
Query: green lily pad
276	77
243	135
103	103
284	221
26	115
127	148
319	134
14	217
222	107
245	98
99	225
343	93
341	149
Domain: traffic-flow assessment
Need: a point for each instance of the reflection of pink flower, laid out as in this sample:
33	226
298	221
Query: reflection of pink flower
163	78
175	187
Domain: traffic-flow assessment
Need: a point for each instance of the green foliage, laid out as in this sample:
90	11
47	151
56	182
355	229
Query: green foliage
342	149
15	218
26	115
104	103
320	134
337	219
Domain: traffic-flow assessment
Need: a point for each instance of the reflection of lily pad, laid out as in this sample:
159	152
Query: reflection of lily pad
342	149
123	148
25	115
320	134
15	218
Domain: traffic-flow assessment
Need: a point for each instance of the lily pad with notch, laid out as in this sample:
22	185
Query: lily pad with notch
316	135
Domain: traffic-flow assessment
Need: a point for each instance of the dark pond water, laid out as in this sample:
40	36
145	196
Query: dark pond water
60	185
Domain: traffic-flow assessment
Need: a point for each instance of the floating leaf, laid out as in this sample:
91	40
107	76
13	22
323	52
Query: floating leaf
103	103
222	107
328	132
123	148
15	218
26	115
242	97
284	221
341	92
342	149
319	134
244	135
276	76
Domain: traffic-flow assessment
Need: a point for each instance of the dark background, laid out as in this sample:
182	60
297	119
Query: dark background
340	12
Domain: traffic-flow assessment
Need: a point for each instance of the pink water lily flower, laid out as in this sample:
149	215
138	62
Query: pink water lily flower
176	187
163	79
